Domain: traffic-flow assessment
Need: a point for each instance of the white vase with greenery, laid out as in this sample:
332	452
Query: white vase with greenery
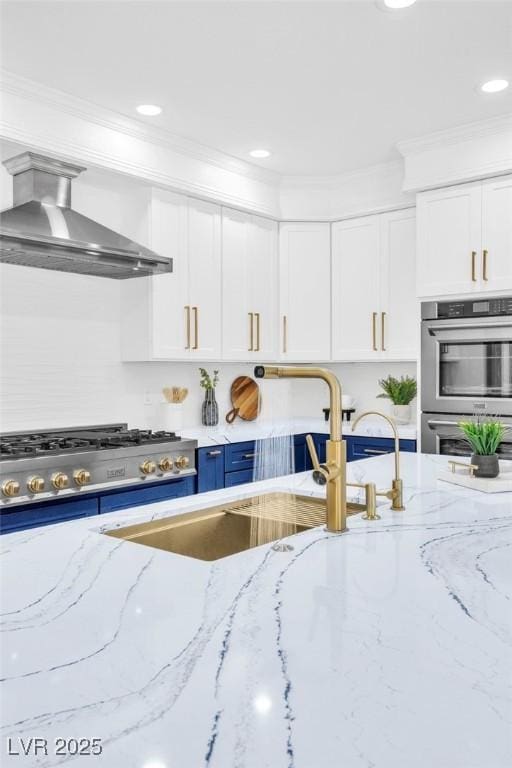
401	392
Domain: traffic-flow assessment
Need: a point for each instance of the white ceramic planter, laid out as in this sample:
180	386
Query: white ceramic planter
401	413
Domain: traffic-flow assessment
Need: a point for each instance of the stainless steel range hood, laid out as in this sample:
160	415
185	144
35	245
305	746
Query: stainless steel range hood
42	230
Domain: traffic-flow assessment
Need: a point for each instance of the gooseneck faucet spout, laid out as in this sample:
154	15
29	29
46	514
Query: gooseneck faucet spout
396	493
334	470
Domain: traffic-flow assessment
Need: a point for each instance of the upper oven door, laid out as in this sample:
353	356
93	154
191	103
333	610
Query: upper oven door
466	365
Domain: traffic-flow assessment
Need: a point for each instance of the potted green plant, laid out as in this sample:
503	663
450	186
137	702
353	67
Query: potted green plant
401	392
484	438
210	408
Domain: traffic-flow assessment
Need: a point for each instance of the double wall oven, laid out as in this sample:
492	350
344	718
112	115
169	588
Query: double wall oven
466	370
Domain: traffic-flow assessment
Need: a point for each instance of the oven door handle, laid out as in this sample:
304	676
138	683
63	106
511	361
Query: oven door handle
439	423
432	329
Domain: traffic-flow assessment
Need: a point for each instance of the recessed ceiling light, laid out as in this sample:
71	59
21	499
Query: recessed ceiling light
395	4
494	86
259	153
150	110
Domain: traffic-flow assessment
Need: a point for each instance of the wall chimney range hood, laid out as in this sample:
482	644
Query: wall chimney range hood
42	230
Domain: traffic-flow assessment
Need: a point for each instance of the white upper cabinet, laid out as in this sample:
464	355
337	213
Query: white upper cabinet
399	330
373	287
463	236
204	280
355	288
177	316
249	287
497	234
304	292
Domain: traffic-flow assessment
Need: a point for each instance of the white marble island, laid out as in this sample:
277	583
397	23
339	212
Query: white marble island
388	646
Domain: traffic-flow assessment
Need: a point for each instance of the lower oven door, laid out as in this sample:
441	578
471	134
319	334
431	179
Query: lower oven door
466	366
440	434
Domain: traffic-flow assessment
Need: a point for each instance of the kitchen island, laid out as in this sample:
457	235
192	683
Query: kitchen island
387	646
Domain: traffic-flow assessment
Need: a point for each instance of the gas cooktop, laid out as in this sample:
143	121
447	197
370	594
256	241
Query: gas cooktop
37	466
52	442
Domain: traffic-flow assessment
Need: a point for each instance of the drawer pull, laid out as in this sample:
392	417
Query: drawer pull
214	453
248	456
374	451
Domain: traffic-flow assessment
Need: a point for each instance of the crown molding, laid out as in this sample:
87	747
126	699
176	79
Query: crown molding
93	113
341	179
69	150
451	136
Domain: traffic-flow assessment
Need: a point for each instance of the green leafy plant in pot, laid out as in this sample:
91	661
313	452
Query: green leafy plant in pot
401	392
484	438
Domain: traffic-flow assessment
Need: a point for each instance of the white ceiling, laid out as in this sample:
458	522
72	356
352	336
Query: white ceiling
327	86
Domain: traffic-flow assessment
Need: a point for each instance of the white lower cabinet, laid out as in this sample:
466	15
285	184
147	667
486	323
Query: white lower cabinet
304	292
177	316
374	304
249	287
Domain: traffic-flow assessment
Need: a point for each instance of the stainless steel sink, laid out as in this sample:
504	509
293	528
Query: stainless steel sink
216	532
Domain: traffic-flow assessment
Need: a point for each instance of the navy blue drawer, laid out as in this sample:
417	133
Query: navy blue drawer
238	478
210	469
239	456
174	489
366	447
46	513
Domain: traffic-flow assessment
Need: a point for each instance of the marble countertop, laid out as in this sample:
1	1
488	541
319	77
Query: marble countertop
385	647
259	429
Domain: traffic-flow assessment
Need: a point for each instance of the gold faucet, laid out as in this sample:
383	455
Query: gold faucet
396	494
334	470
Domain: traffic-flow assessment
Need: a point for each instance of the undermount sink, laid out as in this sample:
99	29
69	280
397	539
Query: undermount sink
216	532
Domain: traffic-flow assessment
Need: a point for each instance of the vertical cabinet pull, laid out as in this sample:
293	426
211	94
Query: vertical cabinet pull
383	331
473	266
187	325
285	334
484	264
251	331
196	327
257	316
374	331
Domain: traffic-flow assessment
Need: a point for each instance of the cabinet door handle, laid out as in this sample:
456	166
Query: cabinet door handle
251	331
374	331
484	264
214	453
248	456
257	316
285	334
373	451
383	331
196	327
187	323
473	266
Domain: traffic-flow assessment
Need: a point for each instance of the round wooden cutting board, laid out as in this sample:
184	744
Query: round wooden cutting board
245	397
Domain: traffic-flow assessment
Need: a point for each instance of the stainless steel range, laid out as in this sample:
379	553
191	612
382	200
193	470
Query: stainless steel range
466	369
55	463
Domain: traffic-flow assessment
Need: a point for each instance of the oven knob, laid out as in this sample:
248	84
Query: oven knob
10	488
165	464
82	477
36	484
182	462
60	481
148	467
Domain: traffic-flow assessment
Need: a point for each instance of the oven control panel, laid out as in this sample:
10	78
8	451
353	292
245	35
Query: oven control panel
475	308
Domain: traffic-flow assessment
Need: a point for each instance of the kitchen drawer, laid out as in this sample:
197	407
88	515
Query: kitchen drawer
174	489
366	447
210	468
45	513
239	456
238	478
